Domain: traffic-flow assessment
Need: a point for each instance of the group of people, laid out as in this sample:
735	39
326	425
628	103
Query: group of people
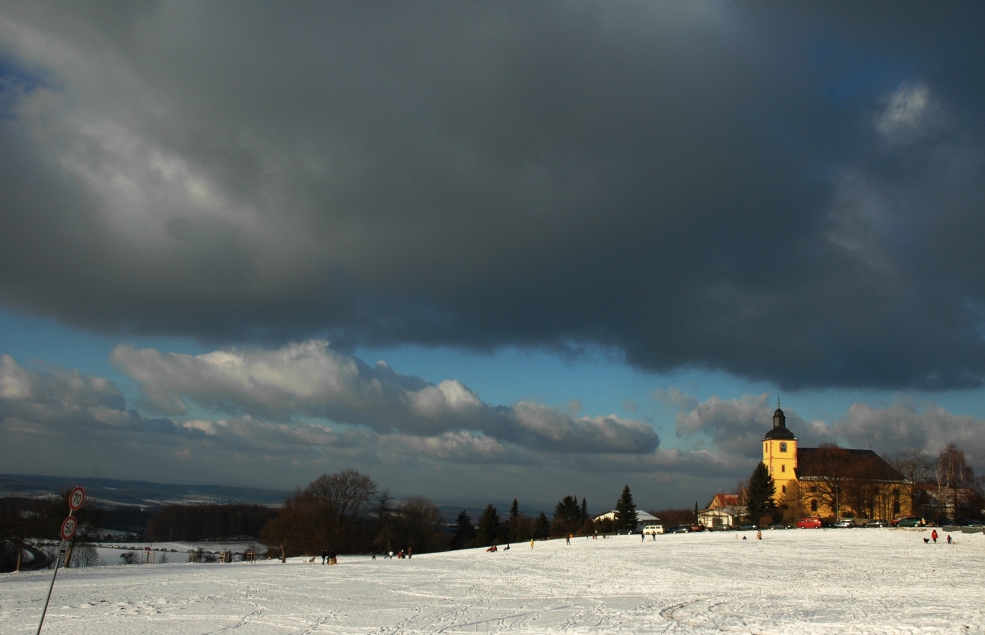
494	548
399	556
328	556
934	535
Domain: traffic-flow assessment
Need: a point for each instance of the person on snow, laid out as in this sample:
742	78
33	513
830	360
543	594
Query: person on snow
949	539
324	555
933	535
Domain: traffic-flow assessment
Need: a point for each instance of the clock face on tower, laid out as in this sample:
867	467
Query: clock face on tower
783	447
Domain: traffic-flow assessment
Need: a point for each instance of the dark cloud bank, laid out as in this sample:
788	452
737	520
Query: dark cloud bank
783	195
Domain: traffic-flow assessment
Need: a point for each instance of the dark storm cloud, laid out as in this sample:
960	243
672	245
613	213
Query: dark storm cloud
785	194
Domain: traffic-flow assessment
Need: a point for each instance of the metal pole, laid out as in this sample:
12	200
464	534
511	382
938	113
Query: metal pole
58	559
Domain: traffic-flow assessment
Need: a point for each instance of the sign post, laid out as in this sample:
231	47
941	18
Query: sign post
69	526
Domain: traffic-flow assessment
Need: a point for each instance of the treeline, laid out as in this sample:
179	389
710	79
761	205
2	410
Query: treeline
570	519
347	512
207	522
23	519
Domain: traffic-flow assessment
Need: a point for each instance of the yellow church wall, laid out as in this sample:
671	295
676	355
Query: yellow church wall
780	458
891	500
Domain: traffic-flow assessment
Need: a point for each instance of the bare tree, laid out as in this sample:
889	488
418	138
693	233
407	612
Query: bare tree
85	555
342	495
863	488
831	463
953	474
288	529
383	531
916	467
418	522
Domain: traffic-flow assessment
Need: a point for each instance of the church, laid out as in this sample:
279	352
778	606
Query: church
831	482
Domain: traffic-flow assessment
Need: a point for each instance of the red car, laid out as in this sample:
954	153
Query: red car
809	523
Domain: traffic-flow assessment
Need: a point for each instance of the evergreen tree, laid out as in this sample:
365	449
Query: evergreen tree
542	527
488	526
626	511
464	532
695	512
514	510
759	494
584	509
567	517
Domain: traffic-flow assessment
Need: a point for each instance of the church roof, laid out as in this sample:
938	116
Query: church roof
825	462
779	432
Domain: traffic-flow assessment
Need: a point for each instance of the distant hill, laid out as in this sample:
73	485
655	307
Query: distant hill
110	492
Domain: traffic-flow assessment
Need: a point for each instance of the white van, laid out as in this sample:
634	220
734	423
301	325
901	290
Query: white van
652	530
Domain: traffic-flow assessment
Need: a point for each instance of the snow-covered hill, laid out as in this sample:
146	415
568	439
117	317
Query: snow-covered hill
797	581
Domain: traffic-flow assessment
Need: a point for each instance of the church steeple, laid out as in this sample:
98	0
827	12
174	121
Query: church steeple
780	457
779	430
779	420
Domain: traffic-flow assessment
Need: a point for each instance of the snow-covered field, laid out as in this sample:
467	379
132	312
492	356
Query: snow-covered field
796	581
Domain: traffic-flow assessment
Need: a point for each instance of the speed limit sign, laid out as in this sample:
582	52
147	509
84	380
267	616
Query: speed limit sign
69	525
76	497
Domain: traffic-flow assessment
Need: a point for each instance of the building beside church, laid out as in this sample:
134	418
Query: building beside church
829	481
642	518
723	512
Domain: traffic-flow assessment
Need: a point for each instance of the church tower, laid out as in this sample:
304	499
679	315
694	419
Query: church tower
780	457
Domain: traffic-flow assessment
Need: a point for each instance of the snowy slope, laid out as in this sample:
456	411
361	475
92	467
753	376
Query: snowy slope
798	581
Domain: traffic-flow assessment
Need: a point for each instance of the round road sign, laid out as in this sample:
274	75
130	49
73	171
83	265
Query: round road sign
76	497
69	525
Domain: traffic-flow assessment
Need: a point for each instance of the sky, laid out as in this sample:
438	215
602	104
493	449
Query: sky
487	251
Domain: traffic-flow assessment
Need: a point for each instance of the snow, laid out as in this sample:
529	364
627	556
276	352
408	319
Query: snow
795	581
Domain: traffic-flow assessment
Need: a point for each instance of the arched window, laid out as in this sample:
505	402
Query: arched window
813	506
783	447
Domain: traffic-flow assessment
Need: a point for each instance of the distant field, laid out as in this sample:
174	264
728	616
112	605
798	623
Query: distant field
795	581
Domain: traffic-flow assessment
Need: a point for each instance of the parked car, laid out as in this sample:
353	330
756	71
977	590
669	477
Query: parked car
778	526
845	523
967	522
652	530
694	528
748	528
907	521
809	523
877	523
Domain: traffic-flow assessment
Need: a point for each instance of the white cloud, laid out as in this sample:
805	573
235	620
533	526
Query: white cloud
312	380
59	398
733	425
907	424
908	114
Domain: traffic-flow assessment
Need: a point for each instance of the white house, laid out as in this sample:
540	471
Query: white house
642	518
